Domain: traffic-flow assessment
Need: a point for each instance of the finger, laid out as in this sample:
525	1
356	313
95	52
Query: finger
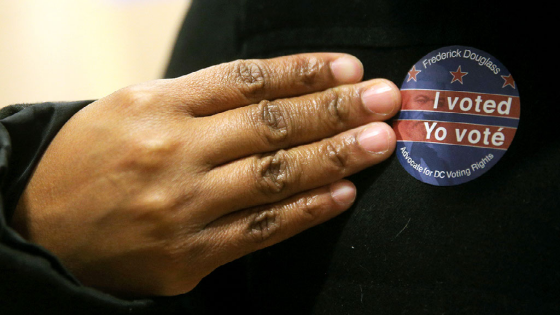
265	178
243	82
249	230
284	123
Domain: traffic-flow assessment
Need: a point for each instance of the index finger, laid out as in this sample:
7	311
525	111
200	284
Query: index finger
244	82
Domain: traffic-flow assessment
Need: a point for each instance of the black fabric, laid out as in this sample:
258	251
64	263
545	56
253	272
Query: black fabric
490	246
31	128
207	37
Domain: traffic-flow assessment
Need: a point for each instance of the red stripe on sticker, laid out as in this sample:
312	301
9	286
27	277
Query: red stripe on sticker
461	102
454	133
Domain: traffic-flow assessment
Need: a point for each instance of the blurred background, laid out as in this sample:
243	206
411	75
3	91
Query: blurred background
64	50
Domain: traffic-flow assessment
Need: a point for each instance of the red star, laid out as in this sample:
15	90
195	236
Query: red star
413	73
458	75
508	80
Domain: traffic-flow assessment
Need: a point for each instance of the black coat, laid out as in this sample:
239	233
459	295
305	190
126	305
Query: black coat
489	246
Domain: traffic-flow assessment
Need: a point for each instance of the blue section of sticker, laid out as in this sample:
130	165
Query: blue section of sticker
460	112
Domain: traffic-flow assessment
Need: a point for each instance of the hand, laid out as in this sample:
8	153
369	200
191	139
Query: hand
148	190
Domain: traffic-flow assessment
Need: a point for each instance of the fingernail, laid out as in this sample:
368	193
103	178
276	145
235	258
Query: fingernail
343	192
380	98
374	139
347	69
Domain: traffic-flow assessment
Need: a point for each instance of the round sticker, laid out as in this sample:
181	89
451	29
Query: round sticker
460	111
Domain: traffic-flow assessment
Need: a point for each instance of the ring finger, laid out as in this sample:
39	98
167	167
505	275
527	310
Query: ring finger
266	178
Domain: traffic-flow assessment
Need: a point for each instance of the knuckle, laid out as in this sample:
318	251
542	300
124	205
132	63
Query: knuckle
149	152
154	206
173	254
335	156
170	255
308	70
137	95
336	109
159	211
308	208
251	76
263	224
271	115
272	173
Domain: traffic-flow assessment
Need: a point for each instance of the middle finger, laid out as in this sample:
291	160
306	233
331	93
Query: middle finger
284	123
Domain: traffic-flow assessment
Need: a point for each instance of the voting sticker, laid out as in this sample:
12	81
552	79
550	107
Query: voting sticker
460	111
